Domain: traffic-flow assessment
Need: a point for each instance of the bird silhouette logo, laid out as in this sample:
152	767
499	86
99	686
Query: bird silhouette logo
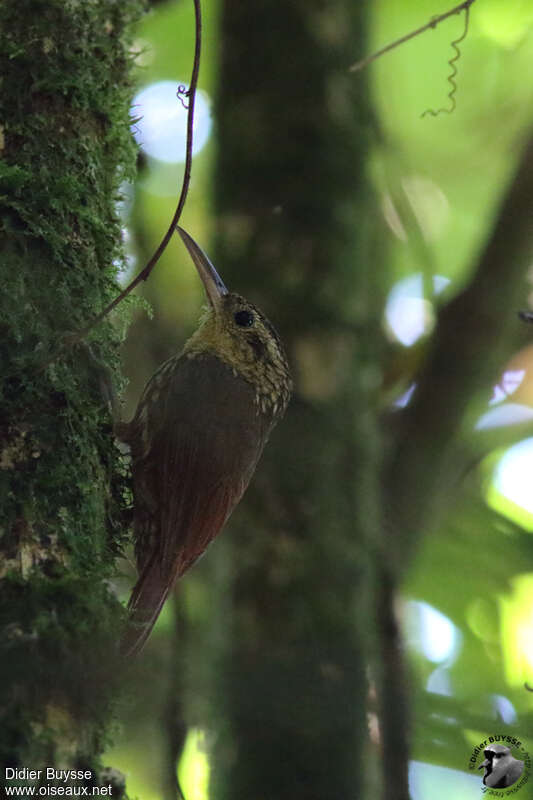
504	761
502	769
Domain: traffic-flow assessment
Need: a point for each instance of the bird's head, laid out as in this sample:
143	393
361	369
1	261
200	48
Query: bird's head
239	334
498	764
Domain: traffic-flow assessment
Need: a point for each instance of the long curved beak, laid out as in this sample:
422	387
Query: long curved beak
214	286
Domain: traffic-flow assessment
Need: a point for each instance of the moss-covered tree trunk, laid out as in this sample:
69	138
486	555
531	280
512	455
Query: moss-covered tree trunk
65	147
296	623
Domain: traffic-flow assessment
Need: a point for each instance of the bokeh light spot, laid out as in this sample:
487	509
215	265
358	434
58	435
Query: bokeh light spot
407	313
194	767
504	709
514	473
431	632
516	612
161	131
503	415
510	382
441	783
439	682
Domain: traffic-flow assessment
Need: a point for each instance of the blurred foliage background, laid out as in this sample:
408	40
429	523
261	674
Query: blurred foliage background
435	187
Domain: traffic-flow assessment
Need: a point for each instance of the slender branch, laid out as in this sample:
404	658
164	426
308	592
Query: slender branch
145	273
453	74
433	22
73	339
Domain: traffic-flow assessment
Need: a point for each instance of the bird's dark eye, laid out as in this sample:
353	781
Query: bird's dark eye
244	318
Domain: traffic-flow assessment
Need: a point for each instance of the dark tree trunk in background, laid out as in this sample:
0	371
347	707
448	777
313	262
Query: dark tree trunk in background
296	615
65	147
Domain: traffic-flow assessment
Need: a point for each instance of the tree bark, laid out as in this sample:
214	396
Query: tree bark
66	147
296	622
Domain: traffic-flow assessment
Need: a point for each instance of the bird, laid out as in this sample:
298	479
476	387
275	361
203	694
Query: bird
195	439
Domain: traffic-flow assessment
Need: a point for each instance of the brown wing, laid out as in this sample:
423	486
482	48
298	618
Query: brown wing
204	440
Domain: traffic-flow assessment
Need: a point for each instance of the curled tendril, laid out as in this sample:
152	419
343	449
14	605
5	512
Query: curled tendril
181	93
453	73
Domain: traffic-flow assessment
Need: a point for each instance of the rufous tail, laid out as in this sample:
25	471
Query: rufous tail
146	602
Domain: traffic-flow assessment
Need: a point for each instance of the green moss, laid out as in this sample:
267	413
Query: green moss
64	493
